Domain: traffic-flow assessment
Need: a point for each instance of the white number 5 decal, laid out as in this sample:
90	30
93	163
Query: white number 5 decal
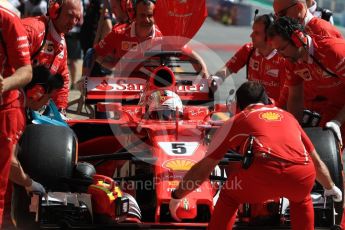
178	148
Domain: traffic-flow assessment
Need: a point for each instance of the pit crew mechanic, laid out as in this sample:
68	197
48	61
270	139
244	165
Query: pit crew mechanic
41	88
15	72
126	38
298	10
317	63
47	42
288	161
132	39
263	63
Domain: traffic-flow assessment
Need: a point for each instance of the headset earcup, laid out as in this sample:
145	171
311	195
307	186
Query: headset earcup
36	92
54	10
299	39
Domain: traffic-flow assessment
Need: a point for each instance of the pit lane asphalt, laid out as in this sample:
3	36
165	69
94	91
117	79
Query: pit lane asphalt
216	43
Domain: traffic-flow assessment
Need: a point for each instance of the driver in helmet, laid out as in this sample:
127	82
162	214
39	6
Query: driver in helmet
164	105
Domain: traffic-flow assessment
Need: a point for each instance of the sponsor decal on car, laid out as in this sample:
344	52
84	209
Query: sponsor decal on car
179	164
179	148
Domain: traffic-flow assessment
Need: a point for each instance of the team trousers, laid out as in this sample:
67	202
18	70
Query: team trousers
267	179
12	123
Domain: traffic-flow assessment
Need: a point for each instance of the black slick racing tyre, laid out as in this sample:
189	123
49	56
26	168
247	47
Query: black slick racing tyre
48	155
327	147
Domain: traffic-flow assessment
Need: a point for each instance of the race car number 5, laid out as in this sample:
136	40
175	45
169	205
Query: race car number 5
179	148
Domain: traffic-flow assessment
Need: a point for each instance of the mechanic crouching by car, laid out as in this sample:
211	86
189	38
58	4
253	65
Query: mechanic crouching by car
47	41
280	161
15	73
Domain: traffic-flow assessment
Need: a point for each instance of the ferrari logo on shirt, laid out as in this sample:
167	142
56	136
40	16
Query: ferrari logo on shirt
271	116
48	47
255	65
129	46
304	73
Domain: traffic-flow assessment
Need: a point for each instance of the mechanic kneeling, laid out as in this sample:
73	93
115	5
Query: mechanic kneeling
285	163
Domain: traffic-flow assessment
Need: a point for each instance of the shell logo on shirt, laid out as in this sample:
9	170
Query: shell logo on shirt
271	116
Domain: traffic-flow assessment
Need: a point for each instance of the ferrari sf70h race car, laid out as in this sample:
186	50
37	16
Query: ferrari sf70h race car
118	169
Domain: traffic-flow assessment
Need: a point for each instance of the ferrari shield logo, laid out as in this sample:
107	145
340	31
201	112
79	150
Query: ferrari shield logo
255	65
304	73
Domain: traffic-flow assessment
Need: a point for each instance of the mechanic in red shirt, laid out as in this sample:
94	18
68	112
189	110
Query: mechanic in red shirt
288	161
47	41
126	41
298	10
263	63
315	72
15	73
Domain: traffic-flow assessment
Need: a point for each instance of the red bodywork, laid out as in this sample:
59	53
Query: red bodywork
169	148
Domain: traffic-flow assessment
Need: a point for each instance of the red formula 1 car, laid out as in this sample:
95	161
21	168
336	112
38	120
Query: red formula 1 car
150	129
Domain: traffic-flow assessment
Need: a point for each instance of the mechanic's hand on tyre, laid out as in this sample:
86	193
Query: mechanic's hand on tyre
334	125
335	192
173	206
35	187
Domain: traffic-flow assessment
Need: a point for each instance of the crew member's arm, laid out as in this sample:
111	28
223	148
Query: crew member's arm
237	62
322	172
18	176
18	79
61	96
108	62
201	170
106	48
201	63
195	177
295	100
224	72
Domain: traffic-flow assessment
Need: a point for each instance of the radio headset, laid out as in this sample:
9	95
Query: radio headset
269	20
299	39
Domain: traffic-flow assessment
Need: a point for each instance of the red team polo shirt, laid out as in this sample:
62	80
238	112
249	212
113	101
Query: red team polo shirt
269	71
17	49
324	93
53	55
318	26
122	43
277	133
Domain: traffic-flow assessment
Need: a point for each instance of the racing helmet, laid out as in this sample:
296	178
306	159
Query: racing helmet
164	105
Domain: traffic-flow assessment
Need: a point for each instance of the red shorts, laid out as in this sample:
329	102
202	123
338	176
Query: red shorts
264	180
12	124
